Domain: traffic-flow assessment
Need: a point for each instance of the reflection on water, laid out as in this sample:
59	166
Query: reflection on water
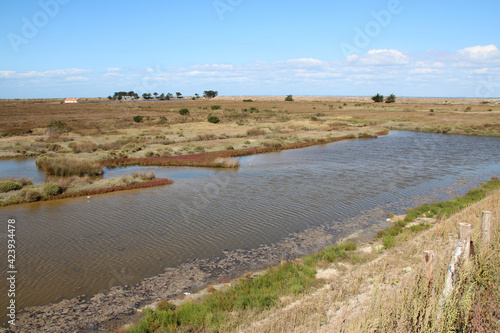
82	246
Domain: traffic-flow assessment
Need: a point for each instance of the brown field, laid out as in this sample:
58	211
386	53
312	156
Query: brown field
101	129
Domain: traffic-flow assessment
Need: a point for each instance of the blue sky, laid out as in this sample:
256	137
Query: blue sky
74	48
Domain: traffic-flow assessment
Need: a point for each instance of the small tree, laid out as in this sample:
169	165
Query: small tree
196	96
391	98
289	98
213	119
178	94
156	94
378	98
210	94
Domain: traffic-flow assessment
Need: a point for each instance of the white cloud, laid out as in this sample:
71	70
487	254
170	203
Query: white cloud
115	69
380	58
479	53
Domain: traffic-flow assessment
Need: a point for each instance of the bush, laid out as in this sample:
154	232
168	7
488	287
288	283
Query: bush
391	98
289	98
378	98
247	100
213	119
51	189
31	195
9	185
215	107
137	119
184	112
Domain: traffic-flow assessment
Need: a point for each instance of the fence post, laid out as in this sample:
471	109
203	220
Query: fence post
465	237
429	264
486	227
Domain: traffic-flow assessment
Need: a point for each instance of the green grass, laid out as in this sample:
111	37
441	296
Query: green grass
438	209
257	294
447	208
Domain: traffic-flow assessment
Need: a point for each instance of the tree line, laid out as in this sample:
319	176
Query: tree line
119	95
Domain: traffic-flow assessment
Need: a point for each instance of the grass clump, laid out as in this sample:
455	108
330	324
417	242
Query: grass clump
52	188
9	185
64	167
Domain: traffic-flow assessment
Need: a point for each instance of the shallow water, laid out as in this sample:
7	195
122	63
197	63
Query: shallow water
84	246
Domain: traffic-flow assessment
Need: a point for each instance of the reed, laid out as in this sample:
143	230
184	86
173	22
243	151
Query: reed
65	167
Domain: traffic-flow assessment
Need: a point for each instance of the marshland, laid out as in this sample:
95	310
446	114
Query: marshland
273	180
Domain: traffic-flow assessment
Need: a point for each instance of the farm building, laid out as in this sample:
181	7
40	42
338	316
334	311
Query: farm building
71	100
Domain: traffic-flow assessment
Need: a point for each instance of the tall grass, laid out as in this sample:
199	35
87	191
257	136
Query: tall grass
65	167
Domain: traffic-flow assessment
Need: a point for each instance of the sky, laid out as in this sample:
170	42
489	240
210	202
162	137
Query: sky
421	48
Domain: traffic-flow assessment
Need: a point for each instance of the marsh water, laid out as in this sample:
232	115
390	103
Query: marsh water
81	246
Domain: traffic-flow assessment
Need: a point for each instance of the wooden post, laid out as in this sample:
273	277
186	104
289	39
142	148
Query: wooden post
486	227
429	264
465	237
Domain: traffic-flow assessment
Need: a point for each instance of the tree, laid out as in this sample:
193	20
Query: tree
178	94
378	98
289	98
210	94
196	96
391	98
169	96
162	97
156	94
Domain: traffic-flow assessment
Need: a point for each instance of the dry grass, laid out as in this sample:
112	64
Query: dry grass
94	127
392	293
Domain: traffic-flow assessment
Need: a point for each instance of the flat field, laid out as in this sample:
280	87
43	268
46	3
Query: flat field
100	129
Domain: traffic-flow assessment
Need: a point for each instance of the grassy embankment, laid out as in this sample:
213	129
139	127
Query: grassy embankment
289	297
18	191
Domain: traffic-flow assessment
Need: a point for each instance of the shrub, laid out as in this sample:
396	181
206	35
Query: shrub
9	185
289	98
184	112
31	195
314	118
247	100
255	131
213	119
391	98
378	98
215	107
137	119
51	189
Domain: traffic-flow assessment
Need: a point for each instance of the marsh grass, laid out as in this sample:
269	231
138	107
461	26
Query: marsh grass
65	167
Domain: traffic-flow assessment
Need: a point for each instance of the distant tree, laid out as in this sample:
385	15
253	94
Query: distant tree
391	98
169	96
110	97
210	94
120	97
156	94
289	98
162	97
378	98
196	96
178	94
